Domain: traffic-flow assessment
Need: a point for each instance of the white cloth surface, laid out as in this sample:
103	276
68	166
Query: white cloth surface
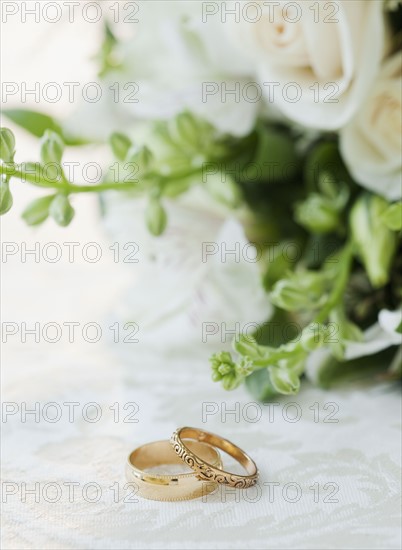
354	461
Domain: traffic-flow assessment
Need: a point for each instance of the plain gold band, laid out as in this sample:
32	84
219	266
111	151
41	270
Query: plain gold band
168	486
210	472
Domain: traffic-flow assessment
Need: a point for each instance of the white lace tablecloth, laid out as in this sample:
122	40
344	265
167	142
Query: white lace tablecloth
323	484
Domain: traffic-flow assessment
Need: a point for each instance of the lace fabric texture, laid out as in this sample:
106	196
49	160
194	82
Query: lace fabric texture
322	484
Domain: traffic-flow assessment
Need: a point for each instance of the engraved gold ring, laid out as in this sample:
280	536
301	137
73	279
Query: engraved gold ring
208	471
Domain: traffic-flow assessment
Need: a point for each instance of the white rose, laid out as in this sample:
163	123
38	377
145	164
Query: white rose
320	67
371	144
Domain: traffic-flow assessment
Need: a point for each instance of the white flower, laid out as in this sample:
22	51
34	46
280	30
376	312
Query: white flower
187	293
320	67
179	62
371	144
380	336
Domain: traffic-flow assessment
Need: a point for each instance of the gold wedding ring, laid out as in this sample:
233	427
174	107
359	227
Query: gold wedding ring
156	486
207	471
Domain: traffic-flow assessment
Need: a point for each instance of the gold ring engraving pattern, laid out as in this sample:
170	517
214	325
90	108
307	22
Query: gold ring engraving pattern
208	472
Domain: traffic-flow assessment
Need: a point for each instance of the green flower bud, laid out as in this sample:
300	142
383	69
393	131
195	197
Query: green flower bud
120	144
156	217
223	189
231	382
304	290
141	156
317	214
52	148
61	210
246	346
187	128
245	367
6	198
392	217
314	336
284	381
7	145
375	243
220	359
320	212
224	369
221	364
229	373
286	295
38	211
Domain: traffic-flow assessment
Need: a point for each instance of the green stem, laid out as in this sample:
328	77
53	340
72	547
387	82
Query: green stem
274	357
72	188
12	172
66	187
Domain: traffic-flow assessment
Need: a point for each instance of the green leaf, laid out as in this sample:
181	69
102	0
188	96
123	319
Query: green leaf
324	158
107	57
332	372
120	144
75	141
280	329
278	263
37	211
319	248
275	158
34	122
399	328
6	199
7	145
284	381
61	210
37	123
260	386
395	368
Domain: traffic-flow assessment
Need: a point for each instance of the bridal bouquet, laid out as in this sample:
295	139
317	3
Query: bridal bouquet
289	115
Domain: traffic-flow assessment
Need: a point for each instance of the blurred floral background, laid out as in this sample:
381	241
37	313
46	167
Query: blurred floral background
230	126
